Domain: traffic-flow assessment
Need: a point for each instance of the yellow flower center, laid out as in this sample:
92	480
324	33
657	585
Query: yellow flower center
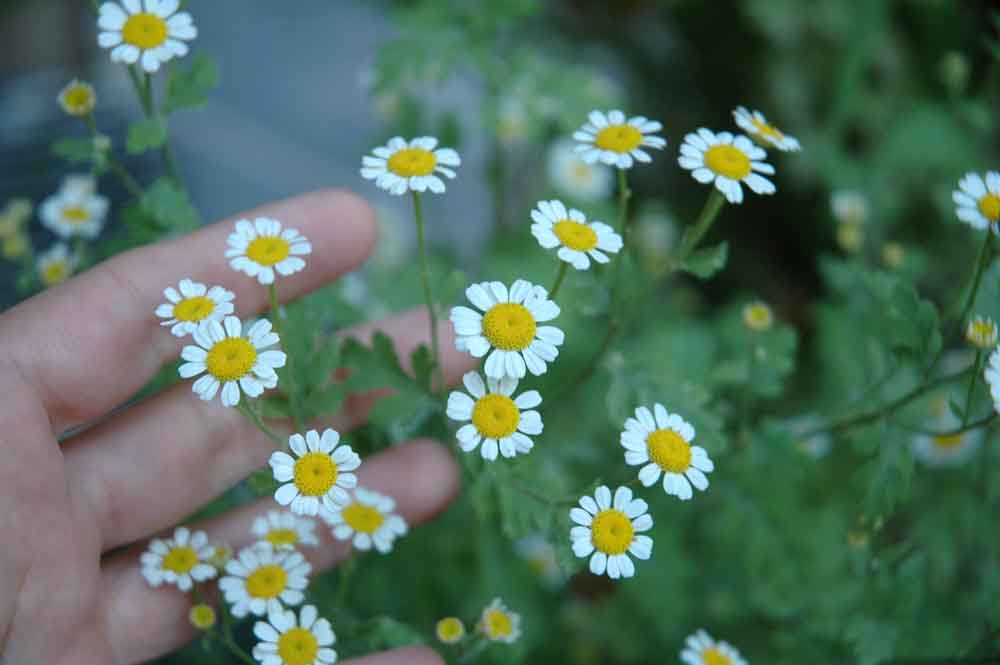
989	205
315	473
497	624
982	334
947	442
611	531
298	646
509	326
202	616
279	537
231	359
410	162
669	450
767	130
180	560
618	138
713	656
362	518
268	250
495	416
144	30
450	630
757	317
55	272
267	581
75	214
78	98
575	235
728	161
194	309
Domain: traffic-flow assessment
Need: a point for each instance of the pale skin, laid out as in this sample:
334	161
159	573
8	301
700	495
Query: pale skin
72	356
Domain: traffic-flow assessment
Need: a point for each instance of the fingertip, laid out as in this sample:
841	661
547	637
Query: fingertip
422	476
415	655
343	219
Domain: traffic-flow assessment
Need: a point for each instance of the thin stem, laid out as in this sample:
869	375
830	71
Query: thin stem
346	572
153	112
293	391
695	233
975	424
256	419
981	263
563	266
229	643
972	387
127	180
624	194
748	391
425	278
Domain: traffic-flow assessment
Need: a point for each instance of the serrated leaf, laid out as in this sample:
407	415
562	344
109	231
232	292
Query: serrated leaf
423	365
168	206
262	482
707	261
146	134
188	87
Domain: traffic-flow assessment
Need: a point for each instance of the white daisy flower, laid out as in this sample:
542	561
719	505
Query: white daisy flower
283	530
574	177
978	200
947	449
662	444
321	471
55	265
499	624
401	166
285	641
152	31
77	99
992	376
701	649
616	140
261	576
756	125
181	560
74	211
261	248
496	419
508	329
982	332
577	239
191	303
541	557
606	530
849	206
366	519
727	161
232	359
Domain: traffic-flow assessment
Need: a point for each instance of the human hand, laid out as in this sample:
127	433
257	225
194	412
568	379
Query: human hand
69	593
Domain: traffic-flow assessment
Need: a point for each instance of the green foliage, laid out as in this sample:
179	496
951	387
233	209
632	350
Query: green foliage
188	87
144	135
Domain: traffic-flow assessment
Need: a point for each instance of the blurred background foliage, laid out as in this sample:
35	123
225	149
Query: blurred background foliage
838	547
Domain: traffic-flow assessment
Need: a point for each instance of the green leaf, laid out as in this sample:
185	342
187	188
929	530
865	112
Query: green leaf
74	151
146	134
168	206
188	87
384	632
707	261
325	402
423	364
262	482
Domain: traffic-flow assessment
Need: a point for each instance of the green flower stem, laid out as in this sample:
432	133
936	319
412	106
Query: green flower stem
144	88
230	644
972	387
560	277
293	389
346	572
259	424
975	424
425	278
624	194
747	397
984	259
116	167
694	234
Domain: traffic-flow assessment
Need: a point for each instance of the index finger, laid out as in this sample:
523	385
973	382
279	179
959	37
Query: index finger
101	323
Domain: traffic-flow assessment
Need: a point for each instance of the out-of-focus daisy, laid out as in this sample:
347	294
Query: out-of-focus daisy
616	140
450	630
499	624
283	530
181	560
701	649
757	127
661	442
947	449
367	519
757	316
78	98
608	531
541	556
74	211
153	32
191	303
850	237
893	255
849	206
202	616
576	238
727	161
574	177
319	474
55	265
261	576
978	200
232	359
221	555
261	248
982	333
401	166
815	445
15	213
14	245
508	329
496	419
287	640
